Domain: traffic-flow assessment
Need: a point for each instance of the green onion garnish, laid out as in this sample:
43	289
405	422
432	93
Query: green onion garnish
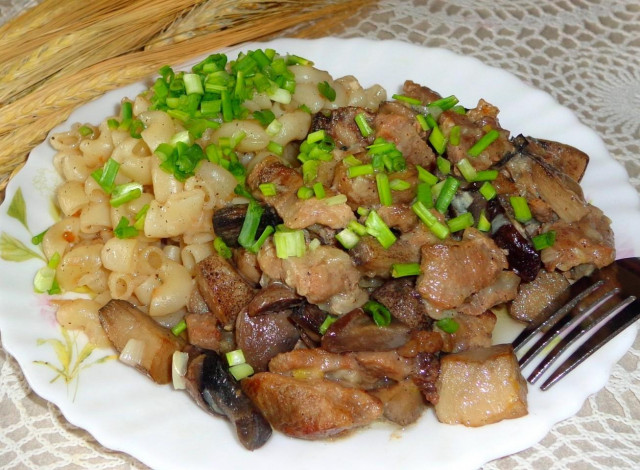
192	84
85	131
399	185
445	103
250	224
426	176
235	357
316	136
326	324
263	238
460	222
126	110
467	170
459	109
140	217
544	240
351	161
310	170
363	125
113	124
275	148
486	175
362	211
447	194
407	99
378	229
289	243
360	170
488	191
264	117
347	238
405	269
357	228
305	192
221	248
126	192
448	325
454	136
483	143
521	209
319	191
325	90
273	128
438	140
43	280
430	220
124	230
241	371
444	165
335	200
381	314
423	122
179	327
423	195
483	223
106	175
384	189
268	189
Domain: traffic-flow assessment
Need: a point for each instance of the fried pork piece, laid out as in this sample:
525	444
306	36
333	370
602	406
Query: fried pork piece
324	276
480	386
534	296
473	332
295	212
452	270
565	158
403	402
420	92
393	124
403	301
310	409
504	288
223	289
472	128
340	124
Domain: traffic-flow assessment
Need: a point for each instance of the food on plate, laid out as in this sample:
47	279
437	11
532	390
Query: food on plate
303	253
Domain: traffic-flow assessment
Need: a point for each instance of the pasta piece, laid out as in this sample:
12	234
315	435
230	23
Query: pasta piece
159	128
82	266
255	139
173	291
216	182
295	126
164	184
71	197
176	216
95	216
120	255
71	166
122	285
201	231
60	236
97	151
82	314
150	259
193	254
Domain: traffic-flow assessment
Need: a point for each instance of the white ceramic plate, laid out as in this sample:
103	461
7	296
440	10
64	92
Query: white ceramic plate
164	429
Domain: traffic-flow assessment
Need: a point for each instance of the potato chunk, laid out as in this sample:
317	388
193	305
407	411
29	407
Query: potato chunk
481	386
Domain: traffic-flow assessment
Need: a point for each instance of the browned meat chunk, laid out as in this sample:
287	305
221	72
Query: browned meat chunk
222	288
452	271
123	322
473	332
425	94
399	216
204	330
342	128
310	409
534	296
481	386
565	158
473	126
403	301
587	241
403	402
314	276
263	336
502	290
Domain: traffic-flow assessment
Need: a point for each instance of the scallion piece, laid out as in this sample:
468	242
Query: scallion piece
426	176
140	217
316	136
335	200
126	110
407	99
363	125
444	165
313	244
488	191
250	225
305	192
438	140
241	371
221	248
360	170
289	243
521	209
106	175
310	170
193	84
423	122
405	269
378	229
423	195
347	238
351	161
483	143
275	148
179	327
448	325
544	240
268	189
326	324
319	191
113	124
384	189
460	222
126	192
380	314
447	193
43	280
399	185
327	91
263	238
458	109
235	357
85	131
362	211
454	136
483	223
273	128
486	175
264	117
280	95
430	220
124	230
357	228
467	170
445	103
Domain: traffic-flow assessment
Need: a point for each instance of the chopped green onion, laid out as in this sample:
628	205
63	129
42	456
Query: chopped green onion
483	143
483	223
124	230
486	175
448	325
241	371
423	122
360	170
424	195
430	220
289	243
347	238
362	211
280	95
305	108
363	125
447	193
43	280
445	103
521	209
378	229
407	99
250	224
318	190
275	148
140	217
443	165
326	324
325	90
544	240
399	185
235	357
316	136
426	176
467	170
113	124
384	189
458	109
126	192
106	175
351	161
126	110
438	140
381	314
263	238
179	327
454	136
405	269
460	222
273	128
305	192
37	239
268	189
313	244
336	200
221	248
264	117
192	83
488	191
357	228
85	131
310	170
55	288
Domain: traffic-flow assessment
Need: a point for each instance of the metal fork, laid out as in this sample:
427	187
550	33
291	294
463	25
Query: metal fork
606	300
